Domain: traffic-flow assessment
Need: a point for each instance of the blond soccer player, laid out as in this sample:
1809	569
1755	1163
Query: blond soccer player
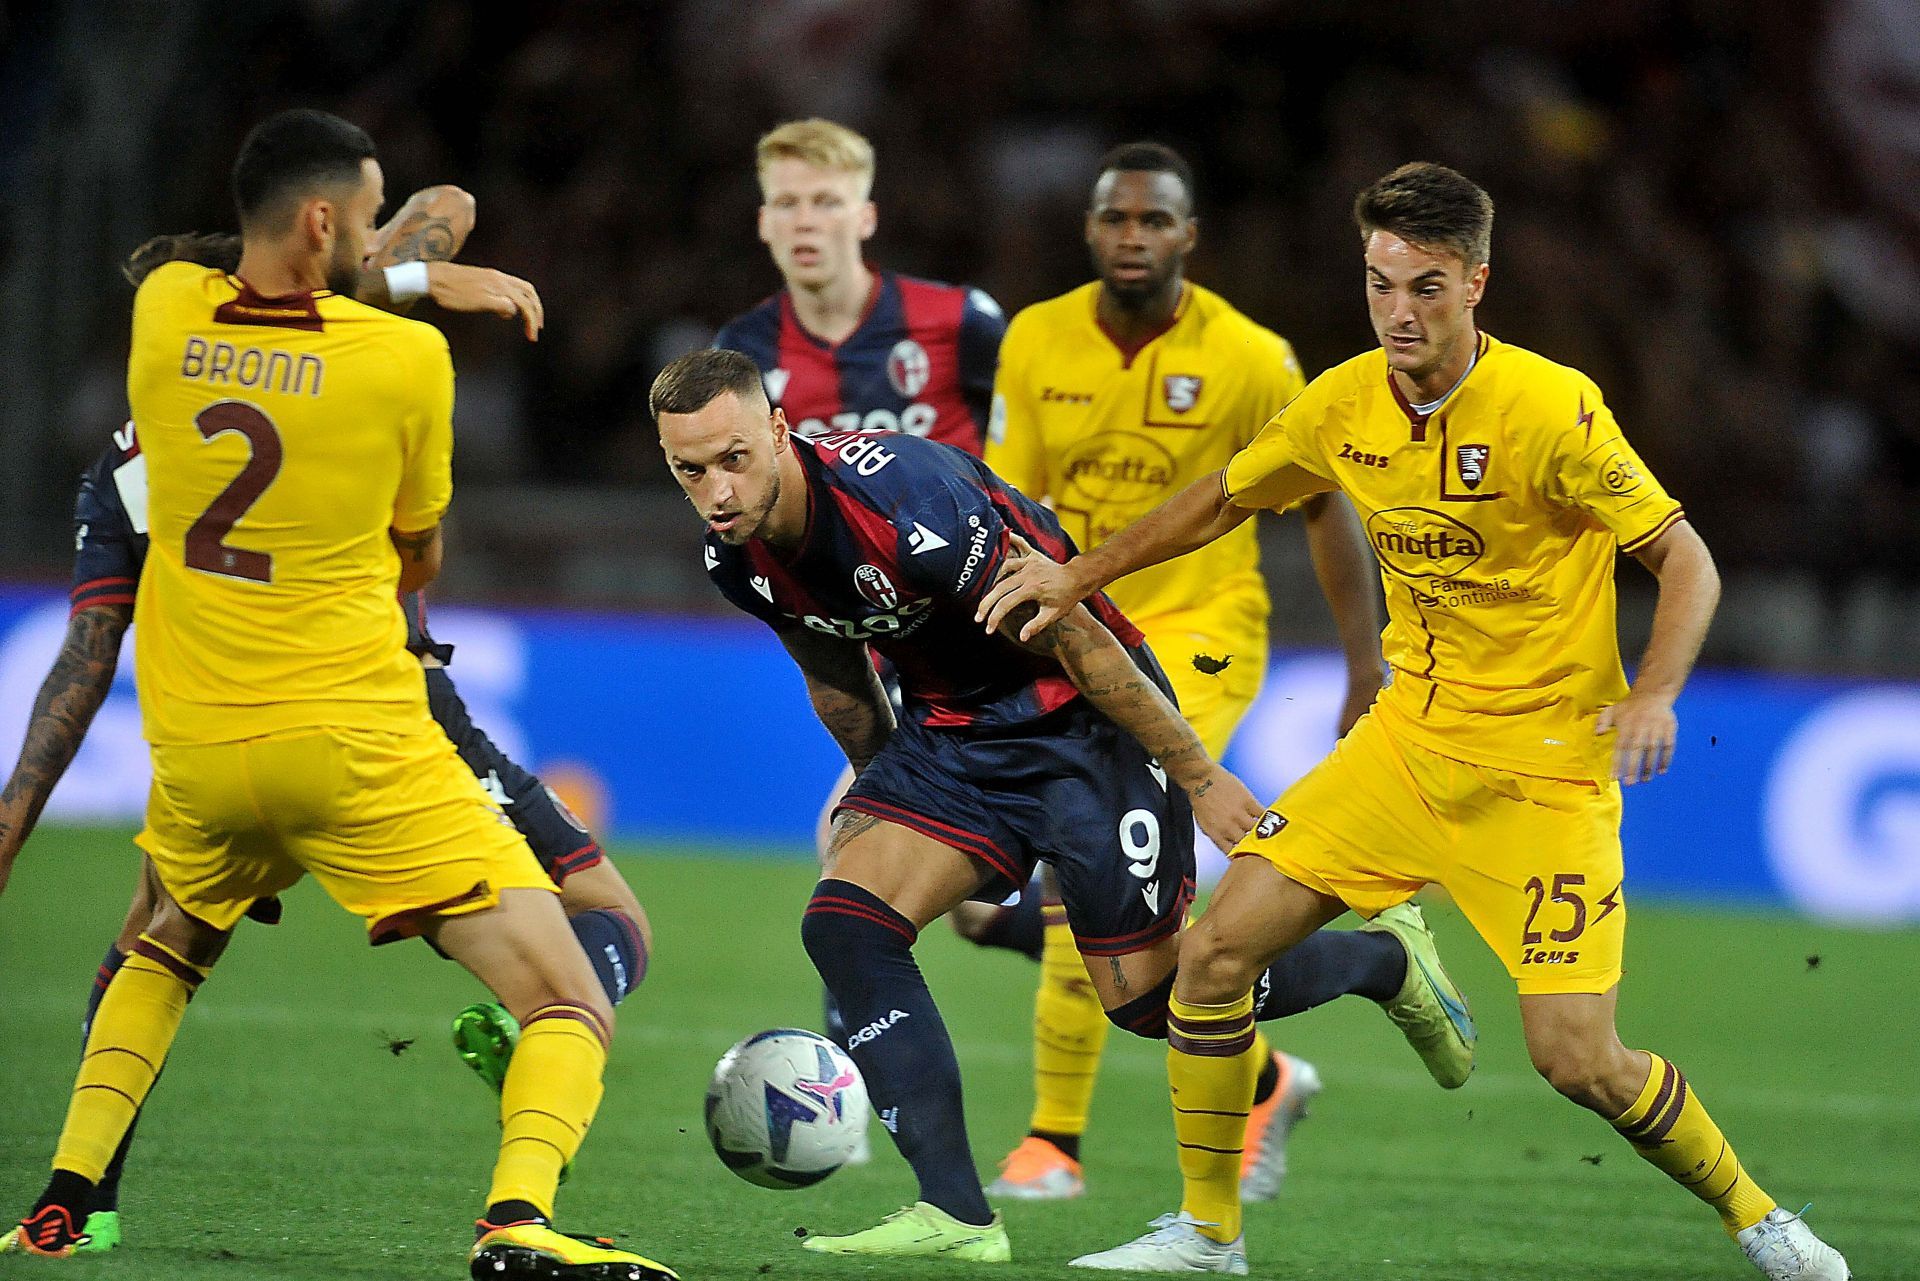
1109	400
299	461
1497	492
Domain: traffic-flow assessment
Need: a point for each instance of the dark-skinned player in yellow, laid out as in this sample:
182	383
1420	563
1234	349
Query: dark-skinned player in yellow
1497	491
1109	400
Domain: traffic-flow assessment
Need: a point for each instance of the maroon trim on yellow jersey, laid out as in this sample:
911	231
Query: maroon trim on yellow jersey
1418	421
1433	659
1674	517
286	311
1446	461
1127	353
406	924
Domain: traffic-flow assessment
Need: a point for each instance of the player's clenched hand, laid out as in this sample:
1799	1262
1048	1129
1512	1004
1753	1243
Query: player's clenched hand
1224	808
457	286
1030	576
1646	729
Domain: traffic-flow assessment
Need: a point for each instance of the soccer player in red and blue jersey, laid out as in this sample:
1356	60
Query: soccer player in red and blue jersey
846	346
1067	748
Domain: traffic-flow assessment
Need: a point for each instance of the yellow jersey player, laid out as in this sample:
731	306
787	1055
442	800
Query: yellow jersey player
1497	490
1109	400
299	447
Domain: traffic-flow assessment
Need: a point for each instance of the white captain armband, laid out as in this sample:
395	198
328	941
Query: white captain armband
406	282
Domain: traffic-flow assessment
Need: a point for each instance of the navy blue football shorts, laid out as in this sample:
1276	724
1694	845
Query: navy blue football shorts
1073	790
559	840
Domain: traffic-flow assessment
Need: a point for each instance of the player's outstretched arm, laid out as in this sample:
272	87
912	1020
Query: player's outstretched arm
430	229
1103	671
846	693
1350	580
68	699
1644	719
1186	522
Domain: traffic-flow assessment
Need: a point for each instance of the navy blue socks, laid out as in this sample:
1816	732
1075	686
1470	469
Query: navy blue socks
1330	963
864	952
612	942
1018	928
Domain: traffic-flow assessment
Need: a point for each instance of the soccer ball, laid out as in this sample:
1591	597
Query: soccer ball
786	1108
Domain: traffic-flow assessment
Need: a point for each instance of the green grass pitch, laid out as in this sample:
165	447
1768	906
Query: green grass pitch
313	1122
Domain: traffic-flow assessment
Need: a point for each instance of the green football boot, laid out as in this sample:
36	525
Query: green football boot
103	1232
484	1036
923	1231
1429	1010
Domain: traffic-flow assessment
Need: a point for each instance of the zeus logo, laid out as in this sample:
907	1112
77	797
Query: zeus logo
898	623
876	1029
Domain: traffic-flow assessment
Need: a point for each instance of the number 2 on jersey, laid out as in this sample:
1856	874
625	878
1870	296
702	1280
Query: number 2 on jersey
207	548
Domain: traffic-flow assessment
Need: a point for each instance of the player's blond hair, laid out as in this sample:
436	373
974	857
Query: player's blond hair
817	142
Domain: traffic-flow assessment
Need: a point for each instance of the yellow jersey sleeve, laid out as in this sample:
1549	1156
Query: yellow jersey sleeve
426	477
1016	451
1275	381
1282	464
1592	469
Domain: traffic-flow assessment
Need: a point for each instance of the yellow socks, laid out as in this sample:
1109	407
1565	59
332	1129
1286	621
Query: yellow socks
132	1031
1668	1126
1213	1062
1069	1031
547	1101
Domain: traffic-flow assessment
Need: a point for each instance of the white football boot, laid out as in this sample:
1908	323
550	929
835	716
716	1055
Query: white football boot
1784	1248
1176	1244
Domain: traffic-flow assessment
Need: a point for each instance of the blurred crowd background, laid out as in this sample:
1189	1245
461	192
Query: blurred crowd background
1711	206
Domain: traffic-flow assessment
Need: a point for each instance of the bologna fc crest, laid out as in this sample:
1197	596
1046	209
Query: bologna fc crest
908	368
873	584
1183	392
1473	464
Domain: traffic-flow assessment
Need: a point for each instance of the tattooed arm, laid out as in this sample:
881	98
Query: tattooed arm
68	699
420	557
846	692
1103	671
430	227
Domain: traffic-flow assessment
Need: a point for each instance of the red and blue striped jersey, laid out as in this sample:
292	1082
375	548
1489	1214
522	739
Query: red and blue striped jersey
903	538
110	539
921	362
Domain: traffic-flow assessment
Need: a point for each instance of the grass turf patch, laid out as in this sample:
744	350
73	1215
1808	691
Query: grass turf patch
313	1122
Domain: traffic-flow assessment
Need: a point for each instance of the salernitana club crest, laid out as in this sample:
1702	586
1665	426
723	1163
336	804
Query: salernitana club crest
1183	392
1473	464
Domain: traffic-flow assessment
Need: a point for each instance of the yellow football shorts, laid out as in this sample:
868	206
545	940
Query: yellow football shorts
393	826
1213	699
1533	862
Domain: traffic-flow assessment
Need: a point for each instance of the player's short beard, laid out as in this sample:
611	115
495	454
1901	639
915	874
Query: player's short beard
1135	294
343	271
755	526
